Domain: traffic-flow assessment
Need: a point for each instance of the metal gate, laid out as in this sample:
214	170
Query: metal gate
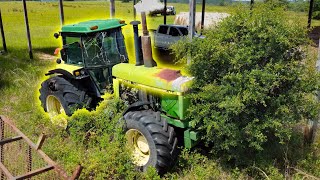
20	158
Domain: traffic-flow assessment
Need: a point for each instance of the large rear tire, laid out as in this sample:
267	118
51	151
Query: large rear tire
58	96
153	142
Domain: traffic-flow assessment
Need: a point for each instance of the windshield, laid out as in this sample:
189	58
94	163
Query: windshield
104	48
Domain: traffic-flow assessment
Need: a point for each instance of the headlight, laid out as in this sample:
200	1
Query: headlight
80	72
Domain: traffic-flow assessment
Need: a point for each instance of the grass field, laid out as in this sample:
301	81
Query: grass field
20	79
44	20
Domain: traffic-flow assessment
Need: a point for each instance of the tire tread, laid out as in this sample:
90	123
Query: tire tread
162	134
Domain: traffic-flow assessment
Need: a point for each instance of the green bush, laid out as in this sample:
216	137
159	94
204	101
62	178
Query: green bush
310	165
194	165
277	3
299	6
96	141
316	15
316	10
253	81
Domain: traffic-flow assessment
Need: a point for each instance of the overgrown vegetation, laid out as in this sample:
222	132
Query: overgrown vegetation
254	81
298	6
316	10
95	140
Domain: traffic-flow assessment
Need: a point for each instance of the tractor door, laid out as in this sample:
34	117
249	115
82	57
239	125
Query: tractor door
73	52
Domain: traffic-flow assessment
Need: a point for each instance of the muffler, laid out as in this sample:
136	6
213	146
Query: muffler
146	43
137	44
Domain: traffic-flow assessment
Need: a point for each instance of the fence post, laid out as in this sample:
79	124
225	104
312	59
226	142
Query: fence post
61	12
134	10
165	12
112	8
27	27
2	34
203	14
191	28
310	13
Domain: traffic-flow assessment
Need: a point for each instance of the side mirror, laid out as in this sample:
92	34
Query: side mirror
56	35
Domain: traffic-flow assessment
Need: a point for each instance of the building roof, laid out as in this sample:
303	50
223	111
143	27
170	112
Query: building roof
93	26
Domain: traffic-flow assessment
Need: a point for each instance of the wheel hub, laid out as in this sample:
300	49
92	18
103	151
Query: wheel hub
56	111
139	146
54	106
143	144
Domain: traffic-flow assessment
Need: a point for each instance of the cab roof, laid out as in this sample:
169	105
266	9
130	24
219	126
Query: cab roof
92	26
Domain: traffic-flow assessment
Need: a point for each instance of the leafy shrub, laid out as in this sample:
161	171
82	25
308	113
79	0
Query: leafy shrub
253	81
311	164
299	6
316	9
277	3
96	141
194	165
316	15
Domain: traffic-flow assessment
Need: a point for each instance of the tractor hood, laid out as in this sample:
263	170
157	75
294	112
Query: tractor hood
161	78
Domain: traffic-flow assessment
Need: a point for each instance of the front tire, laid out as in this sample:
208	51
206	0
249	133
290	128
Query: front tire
58	96
153	142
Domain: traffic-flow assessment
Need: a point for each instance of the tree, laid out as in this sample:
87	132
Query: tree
253	81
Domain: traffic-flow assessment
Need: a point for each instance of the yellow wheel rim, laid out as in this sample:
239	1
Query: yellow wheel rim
139	146
54	107
56	111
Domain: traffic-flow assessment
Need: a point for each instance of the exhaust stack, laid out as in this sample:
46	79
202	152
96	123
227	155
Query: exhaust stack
146	43
137	45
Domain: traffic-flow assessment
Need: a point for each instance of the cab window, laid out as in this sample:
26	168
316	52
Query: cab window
73	49
163	29
174	32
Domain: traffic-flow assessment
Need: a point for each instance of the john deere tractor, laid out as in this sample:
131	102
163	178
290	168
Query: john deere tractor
93	60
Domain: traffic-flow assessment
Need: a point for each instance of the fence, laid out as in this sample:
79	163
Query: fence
2	35
20	158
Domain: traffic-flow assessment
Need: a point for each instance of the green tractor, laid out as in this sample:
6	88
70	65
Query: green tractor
93	60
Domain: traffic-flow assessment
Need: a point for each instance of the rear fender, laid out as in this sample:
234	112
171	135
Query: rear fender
62	72
86	81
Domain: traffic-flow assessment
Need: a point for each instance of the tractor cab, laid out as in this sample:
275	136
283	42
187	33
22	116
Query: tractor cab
92	48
